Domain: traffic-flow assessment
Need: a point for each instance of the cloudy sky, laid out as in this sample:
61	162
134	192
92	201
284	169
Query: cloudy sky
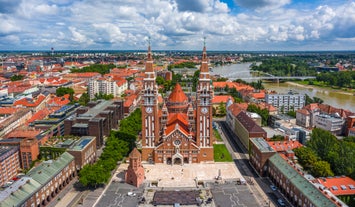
177	24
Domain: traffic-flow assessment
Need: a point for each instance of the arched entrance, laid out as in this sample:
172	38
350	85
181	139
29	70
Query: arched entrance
177	161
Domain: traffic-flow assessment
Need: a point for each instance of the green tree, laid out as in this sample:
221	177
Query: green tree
64	90
306	157
84	99
321	169
17	77
323	143
93	175
222	109
160	80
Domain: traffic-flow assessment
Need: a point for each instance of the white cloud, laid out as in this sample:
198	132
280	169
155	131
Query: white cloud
173	24
79	37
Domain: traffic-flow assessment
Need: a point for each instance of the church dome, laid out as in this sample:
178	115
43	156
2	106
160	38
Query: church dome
178	95
177	101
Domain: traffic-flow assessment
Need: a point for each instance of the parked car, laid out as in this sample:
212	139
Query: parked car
281	202
273	187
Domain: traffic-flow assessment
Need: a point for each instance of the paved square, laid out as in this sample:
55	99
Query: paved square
185	175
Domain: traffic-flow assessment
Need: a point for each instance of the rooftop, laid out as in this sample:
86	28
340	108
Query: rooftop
262	145
94	111
339	185
82	143
300	183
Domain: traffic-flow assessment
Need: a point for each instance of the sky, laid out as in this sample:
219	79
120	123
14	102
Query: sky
236	25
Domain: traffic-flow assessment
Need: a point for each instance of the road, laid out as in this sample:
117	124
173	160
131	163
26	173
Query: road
258	185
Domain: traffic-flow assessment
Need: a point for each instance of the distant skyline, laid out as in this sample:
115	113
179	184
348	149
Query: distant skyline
238	25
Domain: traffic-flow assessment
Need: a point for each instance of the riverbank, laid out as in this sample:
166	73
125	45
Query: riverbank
321	89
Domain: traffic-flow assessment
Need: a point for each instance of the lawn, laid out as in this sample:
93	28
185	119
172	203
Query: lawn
217	135
221	153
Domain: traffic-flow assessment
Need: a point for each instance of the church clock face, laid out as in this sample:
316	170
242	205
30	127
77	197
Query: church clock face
149	110
204	110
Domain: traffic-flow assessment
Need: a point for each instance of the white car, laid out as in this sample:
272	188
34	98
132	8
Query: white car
131	194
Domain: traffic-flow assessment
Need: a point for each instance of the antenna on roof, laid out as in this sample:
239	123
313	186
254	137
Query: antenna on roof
204	41
149	41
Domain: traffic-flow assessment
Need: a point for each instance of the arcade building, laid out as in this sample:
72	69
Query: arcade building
178	130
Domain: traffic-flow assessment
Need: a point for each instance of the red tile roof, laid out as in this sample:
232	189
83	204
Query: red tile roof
338	185
7	110
234	109
280	146
178	95
30	103
221	99
59	101
179	119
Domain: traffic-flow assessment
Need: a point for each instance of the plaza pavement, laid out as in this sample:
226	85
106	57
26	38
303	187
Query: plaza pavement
186	175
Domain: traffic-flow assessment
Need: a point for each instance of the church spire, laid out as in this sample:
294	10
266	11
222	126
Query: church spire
204	64
149	63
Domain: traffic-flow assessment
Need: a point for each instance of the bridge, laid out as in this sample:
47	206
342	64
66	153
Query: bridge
276	78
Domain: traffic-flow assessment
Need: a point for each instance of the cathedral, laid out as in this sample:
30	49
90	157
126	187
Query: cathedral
179	129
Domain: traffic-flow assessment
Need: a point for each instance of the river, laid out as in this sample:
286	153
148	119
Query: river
331	97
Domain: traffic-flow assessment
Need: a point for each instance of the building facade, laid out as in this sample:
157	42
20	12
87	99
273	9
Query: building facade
135	172
180	130
107	86
96	119
285	102
329	123
29	150
9	163
41	184
84	151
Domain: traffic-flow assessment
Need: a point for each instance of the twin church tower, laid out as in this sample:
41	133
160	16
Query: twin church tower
178	130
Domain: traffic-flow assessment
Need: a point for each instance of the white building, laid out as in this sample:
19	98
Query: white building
286	102
330	123
107	86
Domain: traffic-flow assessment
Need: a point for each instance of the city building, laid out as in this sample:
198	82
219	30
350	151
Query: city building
135	172
180	131
342	187
96	119
333	124
285	102
336	120
243	125
29	151
9	163
84	151
292	183
107	86
41	184
260	152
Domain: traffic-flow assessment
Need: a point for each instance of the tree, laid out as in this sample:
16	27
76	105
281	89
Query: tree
84	99
17	77
321	169
323	143
306	157
160	80
222	109
93	175
64	90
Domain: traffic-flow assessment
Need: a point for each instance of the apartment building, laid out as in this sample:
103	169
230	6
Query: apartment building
285	102
107	86
9	163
